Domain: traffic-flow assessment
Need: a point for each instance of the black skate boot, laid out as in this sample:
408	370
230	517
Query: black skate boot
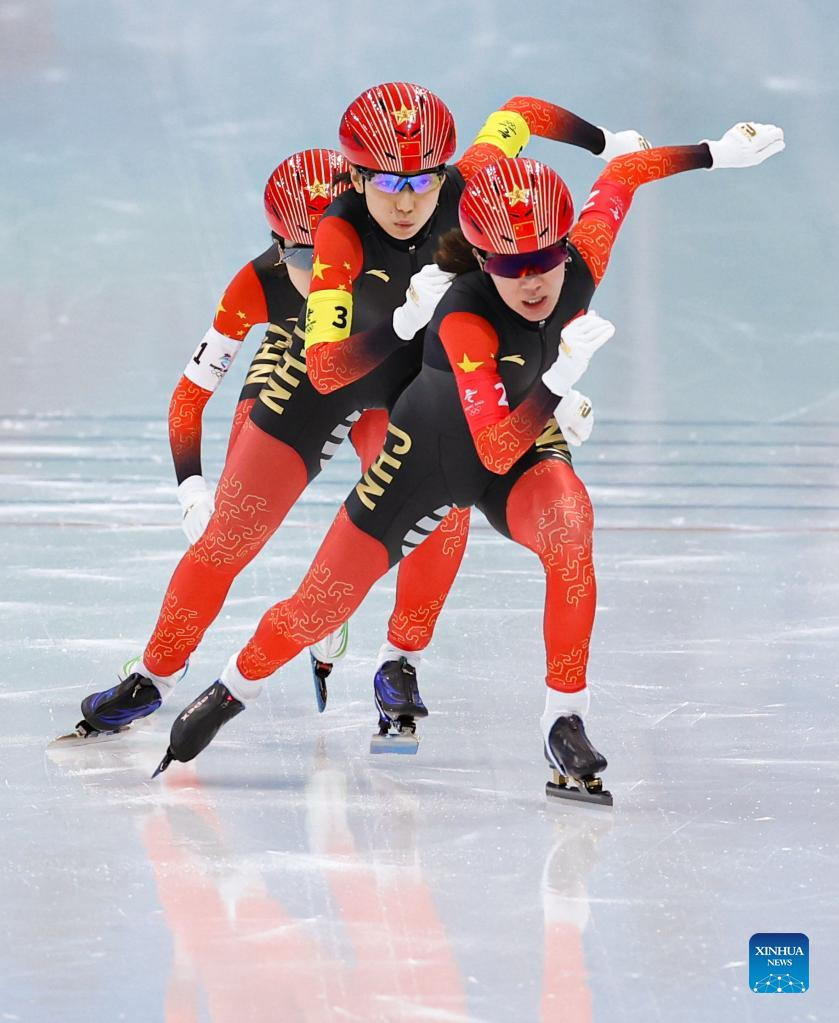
196	726
399	704
573	759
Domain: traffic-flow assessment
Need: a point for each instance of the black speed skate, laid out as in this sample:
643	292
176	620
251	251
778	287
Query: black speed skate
575	763
399	704
196	726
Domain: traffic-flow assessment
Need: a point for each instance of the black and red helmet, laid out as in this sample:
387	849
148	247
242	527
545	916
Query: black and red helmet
300	189
515	205
397	127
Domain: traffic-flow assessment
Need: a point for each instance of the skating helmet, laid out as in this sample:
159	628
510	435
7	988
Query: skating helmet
300	189
397	127
515	205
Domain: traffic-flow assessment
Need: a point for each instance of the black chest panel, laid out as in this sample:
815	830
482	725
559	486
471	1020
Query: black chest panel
380	287
431	406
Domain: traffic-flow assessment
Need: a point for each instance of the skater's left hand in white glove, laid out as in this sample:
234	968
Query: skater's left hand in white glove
195	497
575	417
619	143
426	289
745	145
580	339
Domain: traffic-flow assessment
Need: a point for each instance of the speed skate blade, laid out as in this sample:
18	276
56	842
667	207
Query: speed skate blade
405	744
78	739
562	787
320	671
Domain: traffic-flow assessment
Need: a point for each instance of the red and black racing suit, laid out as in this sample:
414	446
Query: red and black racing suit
477	427
360	276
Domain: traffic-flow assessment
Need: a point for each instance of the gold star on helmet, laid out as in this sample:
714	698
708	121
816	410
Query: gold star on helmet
220	307
318	190
318	268
516	195
404	114
467	365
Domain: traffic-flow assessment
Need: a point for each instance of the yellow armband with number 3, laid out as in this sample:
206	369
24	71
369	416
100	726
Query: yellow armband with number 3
328	316
506	130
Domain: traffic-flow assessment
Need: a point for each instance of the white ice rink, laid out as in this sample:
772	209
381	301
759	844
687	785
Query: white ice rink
288	875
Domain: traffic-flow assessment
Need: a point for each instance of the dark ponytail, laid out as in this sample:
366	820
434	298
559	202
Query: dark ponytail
454	253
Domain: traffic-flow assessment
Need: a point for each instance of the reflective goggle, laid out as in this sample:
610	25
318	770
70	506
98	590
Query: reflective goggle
526	264
425	181
299	256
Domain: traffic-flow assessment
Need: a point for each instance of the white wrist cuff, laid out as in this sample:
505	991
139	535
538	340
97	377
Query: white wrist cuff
212	359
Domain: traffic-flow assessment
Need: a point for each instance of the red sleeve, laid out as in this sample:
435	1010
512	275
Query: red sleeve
185	413
338	261
546	120
501	436
242	305
604	211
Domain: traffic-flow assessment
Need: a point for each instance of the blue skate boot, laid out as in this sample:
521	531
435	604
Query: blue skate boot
112	712
399	704
114	709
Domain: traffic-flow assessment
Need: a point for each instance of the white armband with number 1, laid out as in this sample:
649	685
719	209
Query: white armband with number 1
212	359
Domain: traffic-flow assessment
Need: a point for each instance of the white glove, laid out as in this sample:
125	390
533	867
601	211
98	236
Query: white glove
746	145
424	292
580	339
195	497
575	417
619	143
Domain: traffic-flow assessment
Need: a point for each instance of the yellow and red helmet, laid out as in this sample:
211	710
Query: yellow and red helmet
515	205
397	127
299	191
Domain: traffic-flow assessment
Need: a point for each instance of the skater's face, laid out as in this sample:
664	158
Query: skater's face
403	213
534	297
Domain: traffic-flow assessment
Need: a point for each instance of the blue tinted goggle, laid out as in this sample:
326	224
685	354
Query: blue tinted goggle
299	256
525	264
425	181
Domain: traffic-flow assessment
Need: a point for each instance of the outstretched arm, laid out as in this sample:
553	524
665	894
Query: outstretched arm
600	220
508	130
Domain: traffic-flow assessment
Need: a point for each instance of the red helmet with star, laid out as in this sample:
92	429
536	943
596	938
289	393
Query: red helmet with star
397	127
515	205
300	189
